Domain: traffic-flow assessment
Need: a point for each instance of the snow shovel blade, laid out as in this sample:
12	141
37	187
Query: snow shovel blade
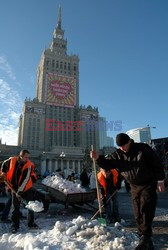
102	221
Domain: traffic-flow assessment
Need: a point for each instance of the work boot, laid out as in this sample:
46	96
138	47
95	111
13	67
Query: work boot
117	219
14	229
145	243
32	225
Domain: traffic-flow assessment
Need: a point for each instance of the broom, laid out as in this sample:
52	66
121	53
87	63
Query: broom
104	204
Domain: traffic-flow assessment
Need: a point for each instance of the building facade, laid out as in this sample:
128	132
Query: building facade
102	132
53	122
140	134
161	147
110	141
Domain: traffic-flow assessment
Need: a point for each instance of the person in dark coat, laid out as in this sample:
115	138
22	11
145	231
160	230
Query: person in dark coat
139	165
84	179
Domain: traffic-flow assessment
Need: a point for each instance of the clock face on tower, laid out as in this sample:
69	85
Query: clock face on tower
59	36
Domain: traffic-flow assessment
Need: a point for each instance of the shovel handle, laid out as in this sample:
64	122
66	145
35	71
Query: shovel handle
18	196
97	187
103	205
10	186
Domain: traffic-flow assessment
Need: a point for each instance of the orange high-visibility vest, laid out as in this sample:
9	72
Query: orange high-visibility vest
10	173
102	181
33	173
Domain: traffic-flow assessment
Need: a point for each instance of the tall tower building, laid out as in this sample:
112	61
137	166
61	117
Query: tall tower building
58	73
57	98
53	121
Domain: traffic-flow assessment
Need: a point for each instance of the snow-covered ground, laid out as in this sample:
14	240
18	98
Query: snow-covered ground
73	229
78	233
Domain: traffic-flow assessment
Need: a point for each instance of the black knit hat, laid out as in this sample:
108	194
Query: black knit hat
122	139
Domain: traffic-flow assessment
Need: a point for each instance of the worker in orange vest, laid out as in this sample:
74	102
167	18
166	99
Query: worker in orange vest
109	182
19	172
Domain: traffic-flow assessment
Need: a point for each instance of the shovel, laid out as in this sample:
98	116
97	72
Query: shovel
101	220
18	196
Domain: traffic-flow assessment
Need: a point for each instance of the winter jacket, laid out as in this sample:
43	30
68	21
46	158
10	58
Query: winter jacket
139	166
84	179
1	162
19	174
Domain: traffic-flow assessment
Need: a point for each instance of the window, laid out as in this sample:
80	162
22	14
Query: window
61	65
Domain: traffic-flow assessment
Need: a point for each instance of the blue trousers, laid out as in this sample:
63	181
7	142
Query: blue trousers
111	207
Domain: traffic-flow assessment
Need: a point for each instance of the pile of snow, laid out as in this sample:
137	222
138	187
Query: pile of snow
35	206
63	185
77	234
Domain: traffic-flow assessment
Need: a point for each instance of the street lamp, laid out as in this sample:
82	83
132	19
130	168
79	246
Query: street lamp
62	155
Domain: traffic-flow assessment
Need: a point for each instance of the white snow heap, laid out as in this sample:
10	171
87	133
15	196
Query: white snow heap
35	206
82	232
59	226
71	230
63	185
79	233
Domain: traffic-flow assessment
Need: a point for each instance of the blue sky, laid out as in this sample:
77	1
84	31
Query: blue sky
123	51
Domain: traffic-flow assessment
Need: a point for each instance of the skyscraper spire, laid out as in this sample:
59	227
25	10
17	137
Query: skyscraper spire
59	18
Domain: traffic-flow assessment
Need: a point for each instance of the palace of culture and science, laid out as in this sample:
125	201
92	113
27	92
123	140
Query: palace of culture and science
53	126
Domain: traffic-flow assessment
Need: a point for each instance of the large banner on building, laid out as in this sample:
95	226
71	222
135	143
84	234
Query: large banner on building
60	90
